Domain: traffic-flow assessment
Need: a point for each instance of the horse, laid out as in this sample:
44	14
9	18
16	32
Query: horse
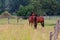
33	19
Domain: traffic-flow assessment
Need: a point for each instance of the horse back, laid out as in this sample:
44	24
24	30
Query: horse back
40	19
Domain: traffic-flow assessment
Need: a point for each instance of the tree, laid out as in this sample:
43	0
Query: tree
24	10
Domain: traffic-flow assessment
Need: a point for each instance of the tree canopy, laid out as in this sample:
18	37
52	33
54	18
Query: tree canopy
25	7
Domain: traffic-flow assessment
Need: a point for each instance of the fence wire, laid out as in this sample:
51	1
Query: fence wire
14	19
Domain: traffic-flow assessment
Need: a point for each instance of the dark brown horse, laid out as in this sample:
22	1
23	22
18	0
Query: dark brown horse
33	19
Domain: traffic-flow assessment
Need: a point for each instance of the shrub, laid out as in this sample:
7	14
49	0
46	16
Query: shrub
5	14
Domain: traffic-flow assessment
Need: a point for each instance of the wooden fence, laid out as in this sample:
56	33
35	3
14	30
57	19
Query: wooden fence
56	31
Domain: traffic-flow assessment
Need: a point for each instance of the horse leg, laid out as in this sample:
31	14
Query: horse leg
29	23
42	23
35	25
35	22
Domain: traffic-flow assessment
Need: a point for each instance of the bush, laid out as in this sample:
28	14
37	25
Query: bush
5	14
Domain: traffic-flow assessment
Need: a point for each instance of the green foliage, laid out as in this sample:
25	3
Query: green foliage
24	7
40	7
24	10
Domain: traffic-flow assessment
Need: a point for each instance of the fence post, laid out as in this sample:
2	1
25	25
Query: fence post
8	19
56	30
51	35
17	19
55	34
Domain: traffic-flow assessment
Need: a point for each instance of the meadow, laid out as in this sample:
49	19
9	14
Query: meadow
22	30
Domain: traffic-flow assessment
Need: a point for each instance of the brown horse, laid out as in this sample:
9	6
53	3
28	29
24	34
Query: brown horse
33	19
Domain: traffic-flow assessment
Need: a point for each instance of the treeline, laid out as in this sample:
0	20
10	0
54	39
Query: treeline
25	7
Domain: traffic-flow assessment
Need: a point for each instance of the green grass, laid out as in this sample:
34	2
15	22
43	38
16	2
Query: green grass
22	30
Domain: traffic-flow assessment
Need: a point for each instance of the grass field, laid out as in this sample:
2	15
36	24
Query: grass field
22	30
